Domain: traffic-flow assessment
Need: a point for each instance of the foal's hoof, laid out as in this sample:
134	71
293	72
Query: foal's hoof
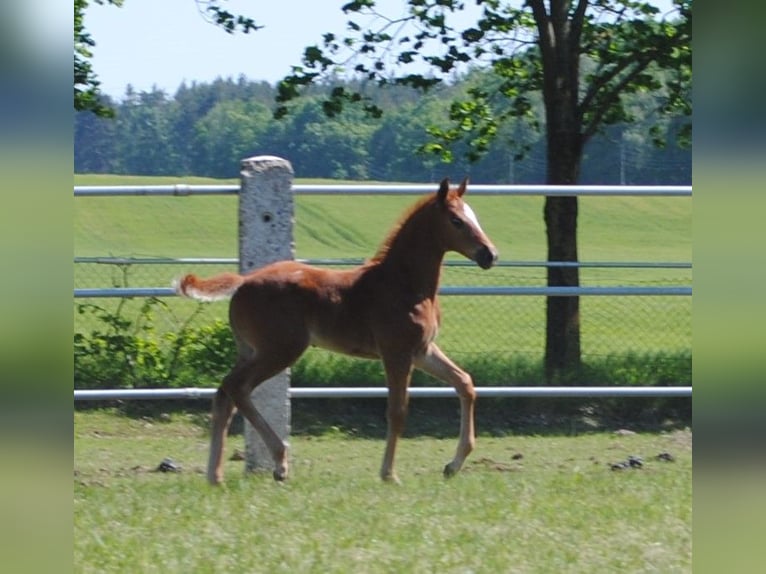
214	479
280	475
449	472
391	479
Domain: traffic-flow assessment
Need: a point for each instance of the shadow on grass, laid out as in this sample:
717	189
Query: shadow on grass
440	417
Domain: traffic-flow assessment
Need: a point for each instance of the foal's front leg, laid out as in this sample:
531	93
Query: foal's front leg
398	374
436	363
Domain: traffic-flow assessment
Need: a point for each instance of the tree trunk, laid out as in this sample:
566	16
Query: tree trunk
562	329
562	340
558	40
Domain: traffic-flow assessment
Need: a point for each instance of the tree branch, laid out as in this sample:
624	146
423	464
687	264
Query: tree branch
610	97
546	40
578	17
543	24
603	80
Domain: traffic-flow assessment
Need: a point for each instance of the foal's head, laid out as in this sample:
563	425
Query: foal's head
459	227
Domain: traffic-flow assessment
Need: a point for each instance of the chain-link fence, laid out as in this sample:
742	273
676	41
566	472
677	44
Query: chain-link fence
472	325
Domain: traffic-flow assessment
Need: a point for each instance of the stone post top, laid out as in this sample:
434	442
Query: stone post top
262	162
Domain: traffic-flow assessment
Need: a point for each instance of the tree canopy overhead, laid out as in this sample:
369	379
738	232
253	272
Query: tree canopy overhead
609	48
583	56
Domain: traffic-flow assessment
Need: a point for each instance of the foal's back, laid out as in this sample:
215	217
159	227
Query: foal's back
293	304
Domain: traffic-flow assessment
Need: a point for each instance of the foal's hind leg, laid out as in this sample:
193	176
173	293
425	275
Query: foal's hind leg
436	363
263	366
222	413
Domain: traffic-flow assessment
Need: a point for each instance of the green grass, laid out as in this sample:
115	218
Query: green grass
336	226
619	229
559	508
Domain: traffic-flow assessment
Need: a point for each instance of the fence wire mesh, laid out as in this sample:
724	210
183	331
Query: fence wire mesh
472	326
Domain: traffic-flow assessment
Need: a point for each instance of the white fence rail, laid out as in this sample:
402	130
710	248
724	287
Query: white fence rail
379	392
340	189
451	290
358	261
382	392
472	291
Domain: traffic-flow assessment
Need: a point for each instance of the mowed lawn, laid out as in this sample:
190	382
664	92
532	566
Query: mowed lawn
523	504
610	229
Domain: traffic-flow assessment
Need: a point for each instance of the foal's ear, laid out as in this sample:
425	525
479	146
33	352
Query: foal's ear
441	195
462	189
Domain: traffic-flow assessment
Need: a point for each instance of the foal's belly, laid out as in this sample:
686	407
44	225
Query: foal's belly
344	345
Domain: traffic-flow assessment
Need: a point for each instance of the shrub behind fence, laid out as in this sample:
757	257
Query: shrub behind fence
473	327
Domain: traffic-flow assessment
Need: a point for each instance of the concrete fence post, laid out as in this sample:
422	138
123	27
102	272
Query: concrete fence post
266	215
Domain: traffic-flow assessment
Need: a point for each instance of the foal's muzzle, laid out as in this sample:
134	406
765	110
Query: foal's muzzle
485	257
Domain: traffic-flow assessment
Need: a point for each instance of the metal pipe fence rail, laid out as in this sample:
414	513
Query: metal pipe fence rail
358	261
447	290
473	291
183	190
382	392
344	189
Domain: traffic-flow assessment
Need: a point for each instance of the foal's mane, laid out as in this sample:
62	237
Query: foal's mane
397	228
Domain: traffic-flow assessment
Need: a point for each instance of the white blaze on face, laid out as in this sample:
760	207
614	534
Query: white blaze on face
469	213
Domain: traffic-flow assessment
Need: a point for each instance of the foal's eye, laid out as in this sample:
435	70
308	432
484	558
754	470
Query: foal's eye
456	221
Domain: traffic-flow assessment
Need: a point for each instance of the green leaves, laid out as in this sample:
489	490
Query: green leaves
635	53
357	6
130	352
380	48
231	23
315	58
472	35
87	95
289	89
623	45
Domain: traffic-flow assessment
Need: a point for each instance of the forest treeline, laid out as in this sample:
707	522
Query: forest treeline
204	129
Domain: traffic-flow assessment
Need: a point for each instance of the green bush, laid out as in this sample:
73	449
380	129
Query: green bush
122	353
130	353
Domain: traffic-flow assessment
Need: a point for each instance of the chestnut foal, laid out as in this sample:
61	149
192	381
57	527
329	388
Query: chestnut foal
385	309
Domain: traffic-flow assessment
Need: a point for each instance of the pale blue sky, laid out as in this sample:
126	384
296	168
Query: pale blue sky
165	42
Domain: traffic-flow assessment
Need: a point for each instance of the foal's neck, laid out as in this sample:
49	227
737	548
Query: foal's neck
415	255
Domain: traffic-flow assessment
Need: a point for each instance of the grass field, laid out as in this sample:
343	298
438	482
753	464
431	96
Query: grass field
523	504
610	229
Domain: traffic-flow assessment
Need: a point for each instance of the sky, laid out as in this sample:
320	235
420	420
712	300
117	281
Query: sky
163	43
148	43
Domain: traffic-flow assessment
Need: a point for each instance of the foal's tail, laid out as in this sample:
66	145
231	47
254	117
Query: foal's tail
215	288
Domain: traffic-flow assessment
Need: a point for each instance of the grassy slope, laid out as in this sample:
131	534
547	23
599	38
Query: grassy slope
619	229
610	228
558	509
